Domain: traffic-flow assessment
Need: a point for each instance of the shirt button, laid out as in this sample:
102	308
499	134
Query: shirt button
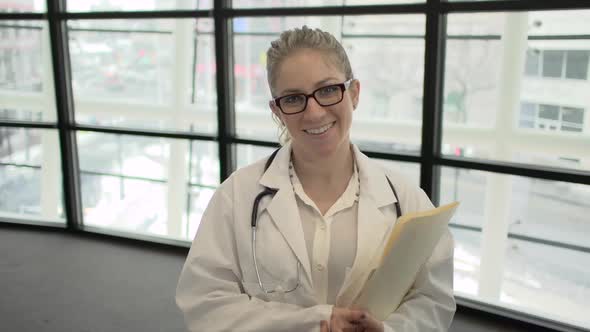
323	227
320	267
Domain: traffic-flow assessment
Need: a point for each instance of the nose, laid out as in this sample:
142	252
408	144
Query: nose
313	108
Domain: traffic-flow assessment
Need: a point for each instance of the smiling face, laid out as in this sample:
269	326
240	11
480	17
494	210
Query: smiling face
319	131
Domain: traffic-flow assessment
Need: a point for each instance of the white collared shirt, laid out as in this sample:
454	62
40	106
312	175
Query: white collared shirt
331	239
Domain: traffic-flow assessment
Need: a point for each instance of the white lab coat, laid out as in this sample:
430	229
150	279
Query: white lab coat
218	289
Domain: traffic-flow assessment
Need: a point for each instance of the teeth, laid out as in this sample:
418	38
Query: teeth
320	130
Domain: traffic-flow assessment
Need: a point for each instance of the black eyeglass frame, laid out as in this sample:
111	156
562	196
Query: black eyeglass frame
343	87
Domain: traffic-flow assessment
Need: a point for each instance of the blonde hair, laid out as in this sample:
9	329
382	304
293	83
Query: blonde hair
289	42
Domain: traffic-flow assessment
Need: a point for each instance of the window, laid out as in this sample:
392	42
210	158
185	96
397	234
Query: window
387	56
122	5
551	117
26	87
30	181
147	74
565	64
19	6
553	63
577	65
533	60
146	185
314	3
548	112
572	119
528	113
536	209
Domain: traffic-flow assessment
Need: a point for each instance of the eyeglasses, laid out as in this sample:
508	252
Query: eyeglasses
324	96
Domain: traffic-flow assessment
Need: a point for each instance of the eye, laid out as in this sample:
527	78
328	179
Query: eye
329	90
292	100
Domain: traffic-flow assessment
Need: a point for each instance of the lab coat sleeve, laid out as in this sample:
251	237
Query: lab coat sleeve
429	305
209	291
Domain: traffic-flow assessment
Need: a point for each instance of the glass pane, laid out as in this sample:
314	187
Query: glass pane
30	175
511	259
573	115
528	113
552	63
532	62
548	112
22	68
468	187
386	54
577	65
550	210
489	76
199	198
572	119
466	260
26	79
547	281
204	165
409	171
137	73
314	3
22	6
126	5
249	154
144	184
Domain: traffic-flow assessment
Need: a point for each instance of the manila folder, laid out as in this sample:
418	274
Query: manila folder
410	244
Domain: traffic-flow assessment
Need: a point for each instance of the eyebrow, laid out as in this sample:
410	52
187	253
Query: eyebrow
317	85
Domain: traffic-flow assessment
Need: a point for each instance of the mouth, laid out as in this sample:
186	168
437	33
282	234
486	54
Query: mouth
320	130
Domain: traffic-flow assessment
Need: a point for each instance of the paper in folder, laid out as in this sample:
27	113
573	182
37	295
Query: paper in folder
392	272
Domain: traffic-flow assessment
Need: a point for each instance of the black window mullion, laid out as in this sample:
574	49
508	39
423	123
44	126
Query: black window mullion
434	52
225	93
65	113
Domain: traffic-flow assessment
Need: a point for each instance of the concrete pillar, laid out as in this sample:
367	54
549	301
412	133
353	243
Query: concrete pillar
177	164
498	187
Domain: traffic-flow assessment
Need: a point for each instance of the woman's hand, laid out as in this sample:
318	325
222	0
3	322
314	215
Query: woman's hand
351	320
368	323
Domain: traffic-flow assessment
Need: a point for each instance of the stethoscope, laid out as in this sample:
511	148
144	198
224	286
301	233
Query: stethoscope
270	192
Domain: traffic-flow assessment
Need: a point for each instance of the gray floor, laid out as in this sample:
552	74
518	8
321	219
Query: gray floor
57	281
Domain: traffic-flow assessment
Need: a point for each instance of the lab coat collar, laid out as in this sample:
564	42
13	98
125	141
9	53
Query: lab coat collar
372	177
277	174
374	183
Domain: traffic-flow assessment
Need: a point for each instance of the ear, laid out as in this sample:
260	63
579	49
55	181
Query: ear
355	91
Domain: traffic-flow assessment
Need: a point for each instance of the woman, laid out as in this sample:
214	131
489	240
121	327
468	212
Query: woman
324	210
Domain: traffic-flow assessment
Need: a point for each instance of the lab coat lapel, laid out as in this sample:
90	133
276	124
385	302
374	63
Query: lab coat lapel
372	223
283	207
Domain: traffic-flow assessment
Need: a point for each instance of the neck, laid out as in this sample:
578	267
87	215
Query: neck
324	169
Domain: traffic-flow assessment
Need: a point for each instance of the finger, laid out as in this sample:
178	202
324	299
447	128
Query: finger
370	323
356	316
342	325
324	326
354	328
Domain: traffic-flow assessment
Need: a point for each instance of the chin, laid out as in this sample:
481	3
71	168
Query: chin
324	150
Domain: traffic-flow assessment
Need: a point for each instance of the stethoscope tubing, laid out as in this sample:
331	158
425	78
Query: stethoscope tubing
267	191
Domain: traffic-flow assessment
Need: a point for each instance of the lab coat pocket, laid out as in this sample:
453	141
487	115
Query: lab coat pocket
278	270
